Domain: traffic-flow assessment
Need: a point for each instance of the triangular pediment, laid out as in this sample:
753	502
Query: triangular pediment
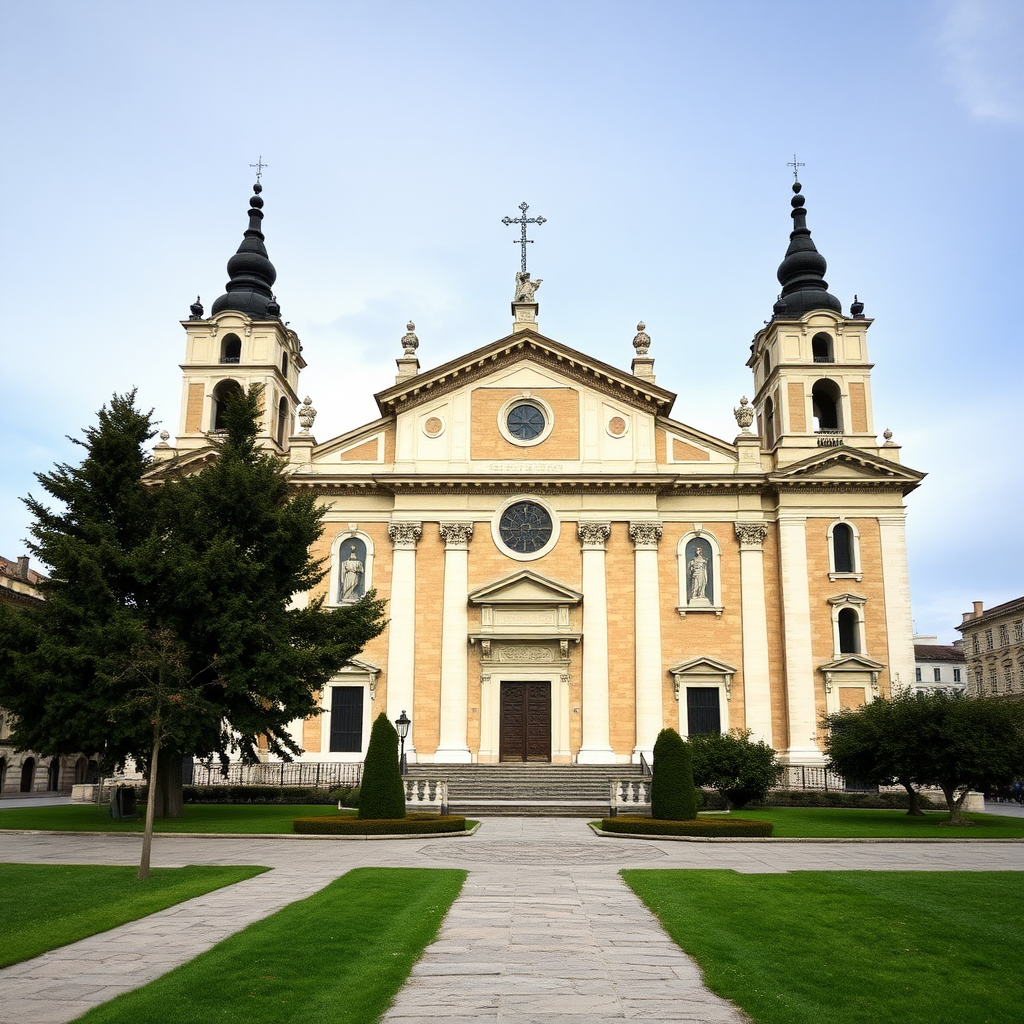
702	666
852	663
551	359
525	587
848	465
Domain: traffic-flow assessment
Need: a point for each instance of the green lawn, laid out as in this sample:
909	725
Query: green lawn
847	823
338	957
850	947
241	818
43	906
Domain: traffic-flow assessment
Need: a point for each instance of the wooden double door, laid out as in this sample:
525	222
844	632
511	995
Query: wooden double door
525	733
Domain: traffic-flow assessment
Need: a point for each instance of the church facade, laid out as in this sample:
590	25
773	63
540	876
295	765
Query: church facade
568	569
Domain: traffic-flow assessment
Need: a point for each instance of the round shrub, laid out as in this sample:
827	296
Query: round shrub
740	770
382	793
673	797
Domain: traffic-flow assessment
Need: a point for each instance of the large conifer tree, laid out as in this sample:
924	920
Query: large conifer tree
214	559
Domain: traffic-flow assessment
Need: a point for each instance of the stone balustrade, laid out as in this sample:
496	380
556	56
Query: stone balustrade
426	795
629	796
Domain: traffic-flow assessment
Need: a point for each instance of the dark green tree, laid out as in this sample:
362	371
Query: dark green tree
673	797
737	768
880	743
214	559
931	739
382	792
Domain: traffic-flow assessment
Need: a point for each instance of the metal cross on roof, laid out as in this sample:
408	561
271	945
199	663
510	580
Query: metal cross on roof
259	165
793	163
524	220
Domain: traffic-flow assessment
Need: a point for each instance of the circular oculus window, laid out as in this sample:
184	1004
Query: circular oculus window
434	426
525	527
617	426
525	420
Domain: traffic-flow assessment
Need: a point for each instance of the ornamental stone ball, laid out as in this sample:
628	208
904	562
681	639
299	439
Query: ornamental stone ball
744	415
642	341
409	340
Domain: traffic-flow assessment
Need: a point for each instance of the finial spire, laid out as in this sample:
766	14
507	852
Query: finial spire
802	272
524	220
251	274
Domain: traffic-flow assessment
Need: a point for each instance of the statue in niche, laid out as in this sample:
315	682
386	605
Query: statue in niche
351	576
697	574
525	288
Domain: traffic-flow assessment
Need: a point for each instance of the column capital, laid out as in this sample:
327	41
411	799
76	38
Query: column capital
405	535
750	535
645	535
456	536
593	535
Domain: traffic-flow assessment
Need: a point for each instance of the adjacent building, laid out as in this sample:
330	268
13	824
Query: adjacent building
993	643
938	666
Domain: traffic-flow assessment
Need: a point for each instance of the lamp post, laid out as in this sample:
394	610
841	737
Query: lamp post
402	724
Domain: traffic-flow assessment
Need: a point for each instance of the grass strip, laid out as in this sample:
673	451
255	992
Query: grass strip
244	819
857	823
338	956
889	947
43	906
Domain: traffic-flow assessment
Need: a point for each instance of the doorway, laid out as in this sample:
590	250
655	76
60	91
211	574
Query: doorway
525	733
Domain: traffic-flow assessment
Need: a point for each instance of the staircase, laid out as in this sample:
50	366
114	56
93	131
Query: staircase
518	790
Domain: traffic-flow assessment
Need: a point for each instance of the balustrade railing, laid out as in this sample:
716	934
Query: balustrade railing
318	774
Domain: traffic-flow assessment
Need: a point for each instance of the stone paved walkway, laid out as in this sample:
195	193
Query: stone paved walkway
545	930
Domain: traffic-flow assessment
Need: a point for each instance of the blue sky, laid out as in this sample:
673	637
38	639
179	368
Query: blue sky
653	136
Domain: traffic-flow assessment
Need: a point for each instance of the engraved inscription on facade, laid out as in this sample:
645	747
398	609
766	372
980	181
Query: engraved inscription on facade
525	654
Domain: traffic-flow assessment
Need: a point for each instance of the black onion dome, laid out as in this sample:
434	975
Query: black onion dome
251	273
802	272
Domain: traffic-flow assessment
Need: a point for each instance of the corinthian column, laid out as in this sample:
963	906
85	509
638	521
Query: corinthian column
647	629
596	748
757	698
402	625
453	747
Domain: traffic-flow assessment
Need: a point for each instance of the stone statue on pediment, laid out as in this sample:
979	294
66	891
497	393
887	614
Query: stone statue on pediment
525	288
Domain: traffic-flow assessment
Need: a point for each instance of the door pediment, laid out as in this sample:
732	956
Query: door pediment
525	606
525	587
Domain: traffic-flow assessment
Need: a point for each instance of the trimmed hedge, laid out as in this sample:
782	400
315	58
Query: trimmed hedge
382	793
709	828
673	796
257	795
411	824
819	798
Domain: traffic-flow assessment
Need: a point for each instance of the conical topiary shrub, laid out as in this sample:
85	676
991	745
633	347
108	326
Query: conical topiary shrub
673	797
382	792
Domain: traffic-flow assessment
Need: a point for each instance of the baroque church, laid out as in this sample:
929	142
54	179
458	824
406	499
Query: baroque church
568	569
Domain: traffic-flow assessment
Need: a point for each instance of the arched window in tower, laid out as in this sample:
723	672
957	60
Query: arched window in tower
826	400
231	349
769	423
282	420
842	548
221	393
767	364
284	365
849	631
821	348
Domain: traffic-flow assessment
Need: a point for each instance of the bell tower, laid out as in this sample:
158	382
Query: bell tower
812	378
242	342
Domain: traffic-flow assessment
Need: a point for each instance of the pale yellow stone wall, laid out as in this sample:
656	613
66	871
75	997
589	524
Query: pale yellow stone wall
365	452
858	407
486	441
776	639
194	410
311	730
797	412
620	589
429	588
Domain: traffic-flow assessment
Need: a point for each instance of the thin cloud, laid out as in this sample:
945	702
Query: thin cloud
983	44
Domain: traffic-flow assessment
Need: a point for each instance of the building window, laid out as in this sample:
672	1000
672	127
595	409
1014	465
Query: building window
699	559
702	711
525	420
284	365
1018	631
917	674
989	642
1004	636
849	631
937	673
769	422
1008	677
525	529
821	348
282	421
225	390
956	675
993	680
843	550
978	683
346	719
975	644
231	349
826	403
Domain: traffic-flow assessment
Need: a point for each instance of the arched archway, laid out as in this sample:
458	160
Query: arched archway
221	393
826	400
28	774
